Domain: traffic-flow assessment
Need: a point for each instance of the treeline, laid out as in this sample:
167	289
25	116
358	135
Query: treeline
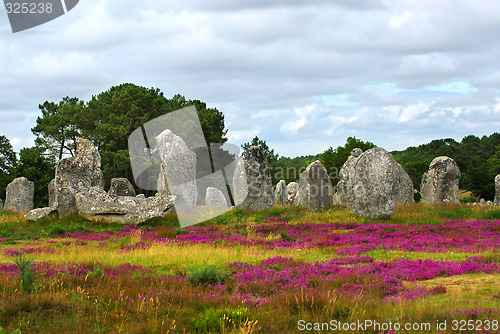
107	120
478	159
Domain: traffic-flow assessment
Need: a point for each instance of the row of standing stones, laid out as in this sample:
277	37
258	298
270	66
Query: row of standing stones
371	184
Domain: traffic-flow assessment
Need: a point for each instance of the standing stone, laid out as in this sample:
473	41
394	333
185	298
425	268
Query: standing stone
76	174
19	195
280	193
482	201
370	183
215	198
121	187
1	205
178	171
52	194
497	190
406	191
252	187
440	182
291	190
315	187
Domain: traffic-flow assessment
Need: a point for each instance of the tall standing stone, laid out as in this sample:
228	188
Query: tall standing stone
291	192
178	171
280	193
315	187
406	192
370	183
1	205
121	187
252	187
497	190
440	182
76	174
19	195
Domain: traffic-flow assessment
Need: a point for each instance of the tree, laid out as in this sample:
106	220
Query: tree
8	161
114	114
272	158
59	127
334	159
39	168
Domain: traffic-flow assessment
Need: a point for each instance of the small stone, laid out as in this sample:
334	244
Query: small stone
215	198
121	187
40	213
19	195
280	193
440	182
291	189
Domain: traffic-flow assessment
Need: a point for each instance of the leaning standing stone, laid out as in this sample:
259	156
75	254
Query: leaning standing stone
252	187
440	182
280	193
19	195
315	187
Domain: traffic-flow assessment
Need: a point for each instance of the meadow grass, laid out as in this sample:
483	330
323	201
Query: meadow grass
182	287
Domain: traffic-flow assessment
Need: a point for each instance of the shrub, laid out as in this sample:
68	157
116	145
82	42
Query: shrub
220	320
28	274
206	275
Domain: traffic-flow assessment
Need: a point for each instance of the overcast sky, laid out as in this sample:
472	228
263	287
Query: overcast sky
302	74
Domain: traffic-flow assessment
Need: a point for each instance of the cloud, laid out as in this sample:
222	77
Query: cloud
294	126
303	75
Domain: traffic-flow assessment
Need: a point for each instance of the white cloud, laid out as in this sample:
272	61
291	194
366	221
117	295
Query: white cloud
412	111
294	126
393	72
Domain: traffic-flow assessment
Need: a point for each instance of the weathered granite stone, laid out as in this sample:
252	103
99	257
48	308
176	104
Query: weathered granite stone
19	195
121	187
291	190
315	187
1	205
215	198
497	190
280	193
252	187
97	204
178	171
40	213
440	182
406	192
340	197
76	174
369	183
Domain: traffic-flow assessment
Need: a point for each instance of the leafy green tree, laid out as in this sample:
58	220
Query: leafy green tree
59	127
39	168
114	114
334	159
8	161
271	156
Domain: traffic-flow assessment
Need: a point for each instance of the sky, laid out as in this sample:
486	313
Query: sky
302	75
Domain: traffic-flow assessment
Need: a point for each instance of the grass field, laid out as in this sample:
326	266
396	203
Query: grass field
284	270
